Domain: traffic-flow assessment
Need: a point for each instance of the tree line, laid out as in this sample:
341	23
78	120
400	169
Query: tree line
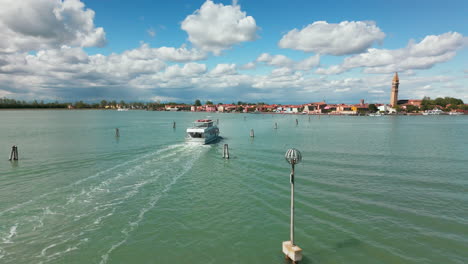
12	103
103	104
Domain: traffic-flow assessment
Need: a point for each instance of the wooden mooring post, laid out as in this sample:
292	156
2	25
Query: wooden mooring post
174	124
14	153
117	132
226	151
309	118
297	122
276	125
252	133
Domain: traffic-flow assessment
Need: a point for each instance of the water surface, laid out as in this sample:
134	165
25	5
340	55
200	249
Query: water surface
369	189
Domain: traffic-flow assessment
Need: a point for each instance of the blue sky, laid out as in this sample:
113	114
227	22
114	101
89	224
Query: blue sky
271	51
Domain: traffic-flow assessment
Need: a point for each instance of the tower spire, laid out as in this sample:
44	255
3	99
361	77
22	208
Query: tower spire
395	78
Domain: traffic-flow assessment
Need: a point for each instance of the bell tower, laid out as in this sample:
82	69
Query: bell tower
394	95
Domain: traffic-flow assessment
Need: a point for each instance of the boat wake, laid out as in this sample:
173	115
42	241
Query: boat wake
75	216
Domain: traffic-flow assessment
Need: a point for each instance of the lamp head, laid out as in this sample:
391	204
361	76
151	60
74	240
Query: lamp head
293	156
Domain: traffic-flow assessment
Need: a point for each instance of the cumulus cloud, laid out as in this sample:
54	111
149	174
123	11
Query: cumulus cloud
423	55
347	37
225	69
216	27
41	24
282	61
248	66
73	67
188	70
181	54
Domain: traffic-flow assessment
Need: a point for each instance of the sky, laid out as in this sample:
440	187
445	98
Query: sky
273	51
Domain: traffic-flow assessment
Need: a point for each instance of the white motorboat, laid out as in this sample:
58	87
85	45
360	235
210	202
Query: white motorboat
455	113
435	111
375	114
122	109
203	131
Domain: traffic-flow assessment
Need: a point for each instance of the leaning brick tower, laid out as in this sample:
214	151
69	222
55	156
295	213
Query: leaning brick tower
394	95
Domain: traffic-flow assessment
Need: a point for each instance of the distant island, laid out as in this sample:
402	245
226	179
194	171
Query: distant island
447	104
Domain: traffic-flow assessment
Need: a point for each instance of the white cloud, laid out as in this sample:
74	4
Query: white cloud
224	69
248	66
151	32
308	63
376	91
342	90
285	62
41	24
423	55
181	54
276	60
164	99
347	37
188	70
216	27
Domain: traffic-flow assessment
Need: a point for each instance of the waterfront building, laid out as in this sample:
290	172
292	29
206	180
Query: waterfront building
394	94
386	109
314	108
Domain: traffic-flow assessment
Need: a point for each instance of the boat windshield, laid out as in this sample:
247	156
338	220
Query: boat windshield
203	124
196	135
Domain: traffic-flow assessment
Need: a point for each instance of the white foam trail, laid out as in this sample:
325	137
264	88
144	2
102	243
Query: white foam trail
152	203
44	250
88	178
12	233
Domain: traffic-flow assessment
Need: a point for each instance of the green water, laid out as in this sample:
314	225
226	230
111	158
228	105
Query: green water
369	189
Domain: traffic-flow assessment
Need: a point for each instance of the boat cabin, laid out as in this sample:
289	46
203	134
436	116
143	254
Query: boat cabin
203	123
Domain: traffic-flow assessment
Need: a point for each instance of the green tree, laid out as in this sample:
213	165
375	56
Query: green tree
209	102
197	103
427	103
103	103
412	108
373	108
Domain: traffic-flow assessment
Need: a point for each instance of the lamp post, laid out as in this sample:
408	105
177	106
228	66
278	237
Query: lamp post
293	157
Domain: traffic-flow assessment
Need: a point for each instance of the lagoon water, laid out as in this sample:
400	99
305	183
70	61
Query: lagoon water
369	189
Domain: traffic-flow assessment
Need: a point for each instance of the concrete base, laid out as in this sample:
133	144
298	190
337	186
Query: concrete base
292	251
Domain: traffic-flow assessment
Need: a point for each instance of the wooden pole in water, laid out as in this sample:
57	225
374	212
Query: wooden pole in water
173	124
276	125
252	133
226	151
297	122
117	132
309	118
14	153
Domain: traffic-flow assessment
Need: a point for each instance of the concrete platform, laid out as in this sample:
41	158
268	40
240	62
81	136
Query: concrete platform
292	252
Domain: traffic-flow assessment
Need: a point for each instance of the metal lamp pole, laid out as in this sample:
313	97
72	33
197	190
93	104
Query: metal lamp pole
293	157
292	204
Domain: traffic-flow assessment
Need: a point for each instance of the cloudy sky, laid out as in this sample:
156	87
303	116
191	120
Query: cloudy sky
280	51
